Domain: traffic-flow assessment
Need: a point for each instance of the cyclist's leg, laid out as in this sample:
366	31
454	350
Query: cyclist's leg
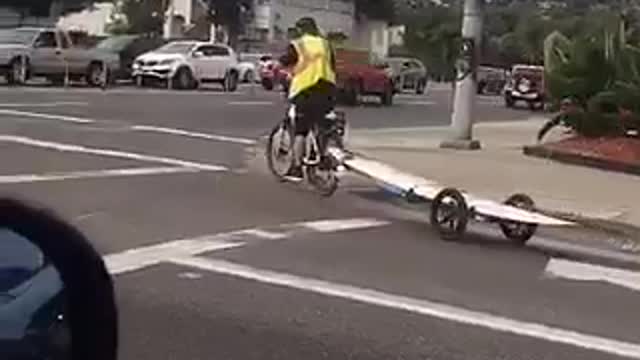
302	126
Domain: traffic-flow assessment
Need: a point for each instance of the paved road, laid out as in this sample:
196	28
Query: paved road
272	271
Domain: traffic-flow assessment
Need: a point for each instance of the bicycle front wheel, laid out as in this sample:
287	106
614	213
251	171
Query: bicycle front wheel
279	152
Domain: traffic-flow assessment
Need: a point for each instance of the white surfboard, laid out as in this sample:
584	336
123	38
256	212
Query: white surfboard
404	183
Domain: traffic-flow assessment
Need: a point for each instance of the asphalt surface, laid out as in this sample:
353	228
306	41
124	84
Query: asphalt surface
347	277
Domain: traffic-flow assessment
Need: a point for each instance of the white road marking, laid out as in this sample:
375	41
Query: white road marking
251	103
573	270
418	306
198	135
417	102
109	153
93	174
49	104
264	234
139	258
343	225
136	259
46	116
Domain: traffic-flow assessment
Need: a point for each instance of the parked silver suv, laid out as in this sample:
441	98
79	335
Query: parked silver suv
48	52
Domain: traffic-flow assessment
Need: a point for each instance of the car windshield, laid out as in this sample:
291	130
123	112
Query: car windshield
176	48
17	36
115	43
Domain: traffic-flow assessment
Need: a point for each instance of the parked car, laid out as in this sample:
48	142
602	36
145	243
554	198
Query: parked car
408	74
128	48
27	52
273	74
357	76
526	84
186	64
491	80
250	66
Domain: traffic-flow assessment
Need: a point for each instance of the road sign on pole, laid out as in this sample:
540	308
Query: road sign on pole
465	91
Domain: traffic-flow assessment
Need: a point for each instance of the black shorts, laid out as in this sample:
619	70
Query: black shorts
313	104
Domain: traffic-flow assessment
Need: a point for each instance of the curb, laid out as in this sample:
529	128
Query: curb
610	165
589	254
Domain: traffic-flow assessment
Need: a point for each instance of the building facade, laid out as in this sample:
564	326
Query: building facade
272	18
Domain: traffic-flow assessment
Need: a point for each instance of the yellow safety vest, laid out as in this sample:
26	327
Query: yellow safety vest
313	64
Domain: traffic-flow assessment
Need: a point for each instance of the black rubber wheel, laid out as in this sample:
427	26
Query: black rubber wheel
516	231
267	84
352	94
509	101
449	214
249	77
420	88
386	99
183	80
230	83
326	186
275	150
95	75
18	72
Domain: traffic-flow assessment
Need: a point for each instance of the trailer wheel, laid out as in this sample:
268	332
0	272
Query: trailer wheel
516	231
449	214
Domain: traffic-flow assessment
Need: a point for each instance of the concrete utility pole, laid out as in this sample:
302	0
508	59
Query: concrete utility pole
465	93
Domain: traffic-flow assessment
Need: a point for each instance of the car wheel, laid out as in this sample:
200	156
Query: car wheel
18	72
230	83
420	88
183	79
267	84
387	97
353	94
509	101
249	77
481	88
95	74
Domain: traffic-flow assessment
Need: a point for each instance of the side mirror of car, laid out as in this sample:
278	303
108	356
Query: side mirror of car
56	296
197	54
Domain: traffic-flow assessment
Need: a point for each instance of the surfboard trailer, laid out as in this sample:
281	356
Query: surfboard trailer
451	208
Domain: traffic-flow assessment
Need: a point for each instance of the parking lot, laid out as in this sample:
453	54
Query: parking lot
273	271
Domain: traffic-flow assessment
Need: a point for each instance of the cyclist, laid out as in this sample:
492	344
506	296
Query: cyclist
313	84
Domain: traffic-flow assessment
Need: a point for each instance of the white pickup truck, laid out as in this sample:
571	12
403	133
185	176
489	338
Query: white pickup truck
28	52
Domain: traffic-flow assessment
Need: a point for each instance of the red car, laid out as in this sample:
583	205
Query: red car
272	73
358	77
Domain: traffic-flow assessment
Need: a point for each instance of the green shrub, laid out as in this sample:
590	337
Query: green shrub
601	75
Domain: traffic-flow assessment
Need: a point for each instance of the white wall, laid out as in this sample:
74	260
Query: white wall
373	35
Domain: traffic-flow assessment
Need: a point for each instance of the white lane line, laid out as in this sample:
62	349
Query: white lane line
422	103
251	103
573	270
198	135
46	116
139	258
418	306
265	234
93	174
343	225
49	104
109	153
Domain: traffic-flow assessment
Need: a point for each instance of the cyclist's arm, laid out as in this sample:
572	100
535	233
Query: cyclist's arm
290	58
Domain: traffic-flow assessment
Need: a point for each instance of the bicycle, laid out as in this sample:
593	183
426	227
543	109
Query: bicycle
317	160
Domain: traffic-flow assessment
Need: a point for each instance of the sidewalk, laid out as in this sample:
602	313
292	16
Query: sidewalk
501	169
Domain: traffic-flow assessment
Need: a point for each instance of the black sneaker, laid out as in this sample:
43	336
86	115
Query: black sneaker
295	174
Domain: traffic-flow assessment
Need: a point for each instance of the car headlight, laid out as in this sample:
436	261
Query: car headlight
167	62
